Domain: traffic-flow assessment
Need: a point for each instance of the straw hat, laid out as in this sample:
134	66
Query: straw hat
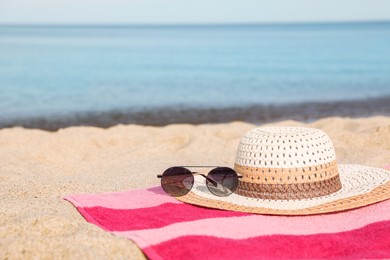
293	171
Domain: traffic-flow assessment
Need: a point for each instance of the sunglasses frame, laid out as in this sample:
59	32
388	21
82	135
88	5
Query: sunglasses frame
202	174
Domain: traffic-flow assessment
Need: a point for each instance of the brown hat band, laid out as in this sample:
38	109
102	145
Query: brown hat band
289	191
282	183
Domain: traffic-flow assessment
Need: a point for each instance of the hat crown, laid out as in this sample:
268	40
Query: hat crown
285	147
286	163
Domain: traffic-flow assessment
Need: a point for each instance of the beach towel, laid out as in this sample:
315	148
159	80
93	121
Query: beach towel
165	228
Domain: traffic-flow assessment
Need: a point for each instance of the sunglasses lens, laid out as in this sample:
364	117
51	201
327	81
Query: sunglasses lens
177	181
222	181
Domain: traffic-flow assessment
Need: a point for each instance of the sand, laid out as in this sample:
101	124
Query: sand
38	168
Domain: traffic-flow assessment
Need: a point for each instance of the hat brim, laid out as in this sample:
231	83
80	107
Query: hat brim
361	186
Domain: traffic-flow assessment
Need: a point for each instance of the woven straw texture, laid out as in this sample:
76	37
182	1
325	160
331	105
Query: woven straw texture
293	171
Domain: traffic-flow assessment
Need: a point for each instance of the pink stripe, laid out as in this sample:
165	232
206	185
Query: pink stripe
253	225
153	217
371	241
134	199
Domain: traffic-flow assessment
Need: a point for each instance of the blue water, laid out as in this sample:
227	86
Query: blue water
57	70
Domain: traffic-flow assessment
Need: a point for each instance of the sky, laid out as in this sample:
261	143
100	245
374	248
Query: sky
190	11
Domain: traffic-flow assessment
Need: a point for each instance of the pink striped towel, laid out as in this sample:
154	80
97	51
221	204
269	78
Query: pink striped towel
165	228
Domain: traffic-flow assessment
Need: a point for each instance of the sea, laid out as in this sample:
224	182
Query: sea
53	76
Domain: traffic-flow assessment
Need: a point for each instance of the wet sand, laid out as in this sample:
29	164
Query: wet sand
162	116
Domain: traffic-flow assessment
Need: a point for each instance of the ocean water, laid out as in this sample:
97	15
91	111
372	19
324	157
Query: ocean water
63	70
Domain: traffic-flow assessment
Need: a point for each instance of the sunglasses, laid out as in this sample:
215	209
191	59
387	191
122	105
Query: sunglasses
178	181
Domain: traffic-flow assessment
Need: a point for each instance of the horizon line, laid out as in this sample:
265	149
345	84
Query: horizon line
192	24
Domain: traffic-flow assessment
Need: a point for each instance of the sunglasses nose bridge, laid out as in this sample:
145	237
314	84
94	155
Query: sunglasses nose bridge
207	178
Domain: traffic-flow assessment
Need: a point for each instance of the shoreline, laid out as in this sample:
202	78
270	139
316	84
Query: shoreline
256	114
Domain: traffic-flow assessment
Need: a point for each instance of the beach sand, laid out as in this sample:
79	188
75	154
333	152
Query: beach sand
38	168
